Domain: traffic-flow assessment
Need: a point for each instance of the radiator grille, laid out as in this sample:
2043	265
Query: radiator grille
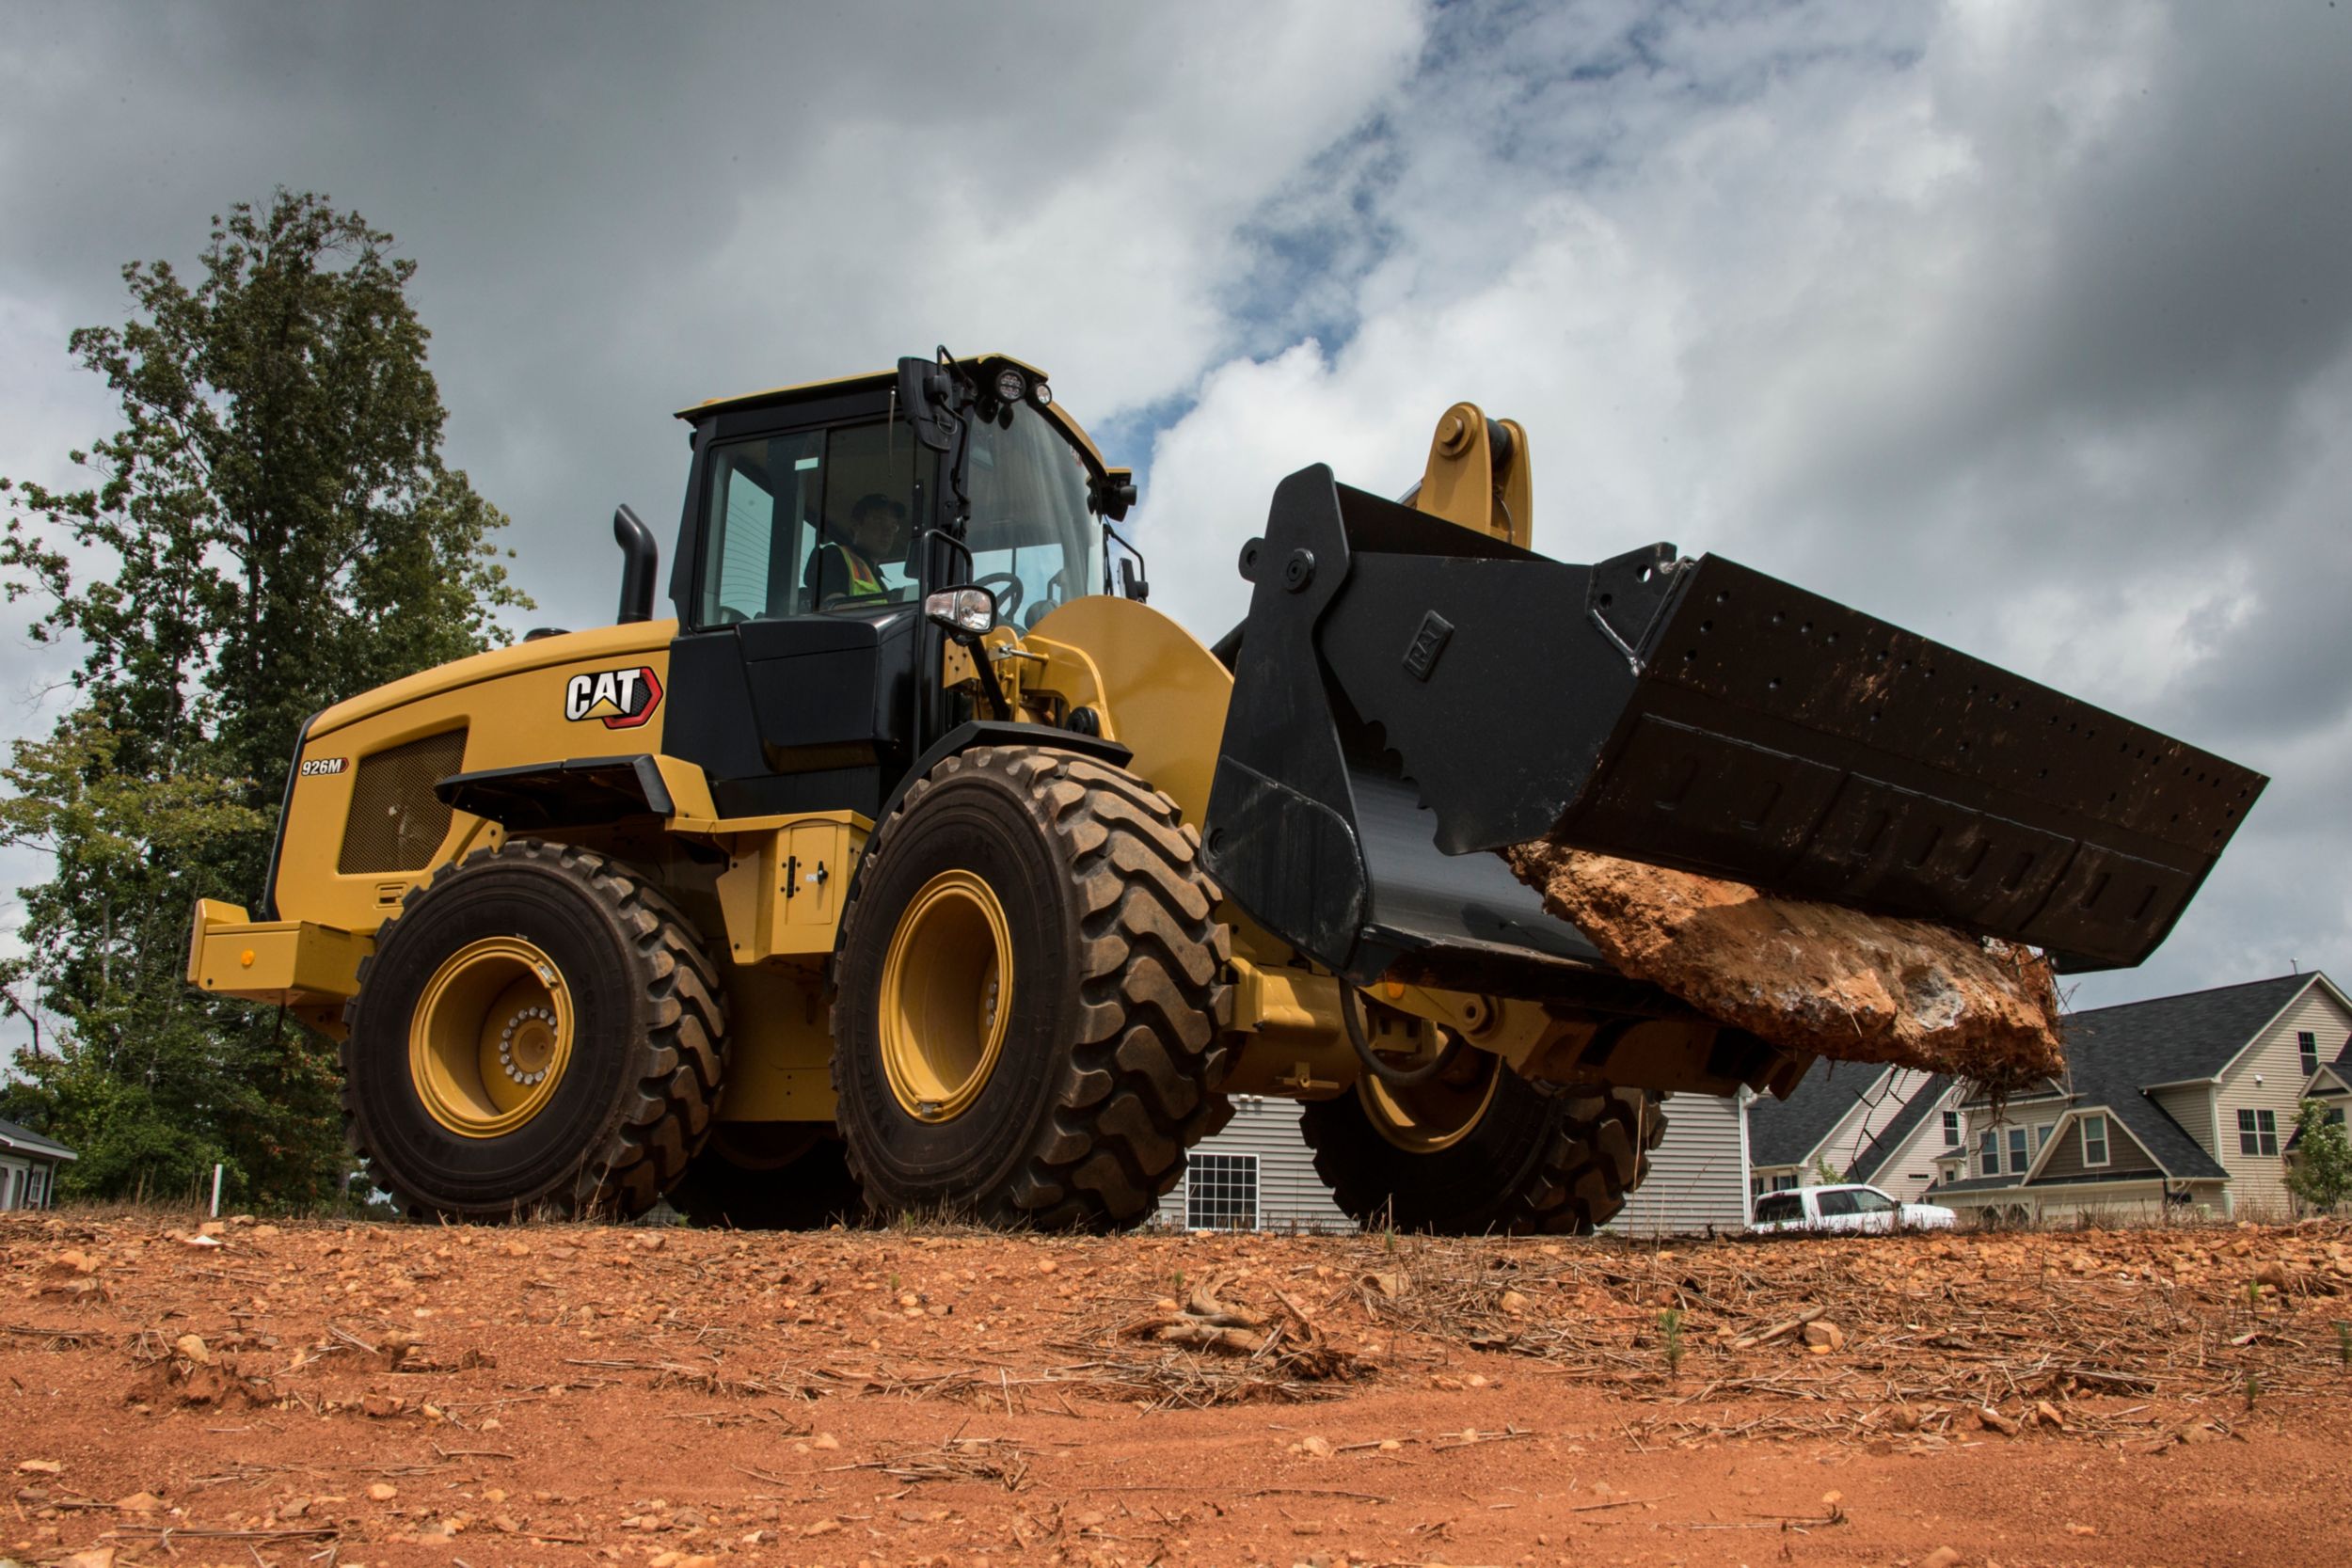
395	823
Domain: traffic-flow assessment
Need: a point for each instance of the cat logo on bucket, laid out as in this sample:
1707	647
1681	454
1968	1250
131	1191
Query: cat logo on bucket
624	698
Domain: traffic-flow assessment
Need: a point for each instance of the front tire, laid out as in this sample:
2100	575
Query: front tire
1028	996
539	1031
1482	1152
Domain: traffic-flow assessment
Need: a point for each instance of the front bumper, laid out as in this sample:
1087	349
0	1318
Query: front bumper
297	962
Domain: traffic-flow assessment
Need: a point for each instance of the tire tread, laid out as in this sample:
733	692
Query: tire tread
676	1067
1138	1091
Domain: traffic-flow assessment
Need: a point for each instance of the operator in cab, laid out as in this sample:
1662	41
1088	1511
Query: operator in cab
845	572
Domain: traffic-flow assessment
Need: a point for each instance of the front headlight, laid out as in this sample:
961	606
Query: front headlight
965	609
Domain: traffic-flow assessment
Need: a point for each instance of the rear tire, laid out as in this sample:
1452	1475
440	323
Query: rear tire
1029	995
540	1030
1520	1162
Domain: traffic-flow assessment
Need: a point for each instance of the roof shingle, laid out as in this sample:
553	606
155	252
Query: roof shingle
26	1138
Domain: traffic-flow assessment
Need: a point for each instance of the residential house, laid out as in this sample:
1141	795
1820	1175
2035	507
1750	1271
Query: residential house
2179	1102
1698	1173
2330	1082
28	1167
1849	1121
1256	1173
1900	1158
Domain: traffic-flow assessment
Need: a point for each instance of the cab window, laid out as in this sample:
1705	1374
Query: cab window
1032	538
1778	1208
809	522
1870	1201
1835	1204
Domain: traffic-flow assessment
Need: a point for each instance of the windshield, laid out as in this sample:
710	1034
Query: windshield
1032	539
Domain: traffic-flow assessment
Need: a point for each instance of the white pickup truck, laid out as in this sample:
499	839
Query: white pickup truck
1851	1206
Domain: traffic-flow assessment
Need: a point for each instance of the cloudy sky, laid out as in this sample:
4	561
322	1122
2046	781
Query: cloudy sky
2022	324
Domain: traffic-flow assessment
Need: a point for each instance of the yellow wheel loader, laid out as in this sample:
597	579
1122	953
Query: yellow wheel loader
918	862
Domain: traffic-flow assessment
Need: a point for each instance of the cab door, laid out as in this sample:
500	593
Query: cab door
790	694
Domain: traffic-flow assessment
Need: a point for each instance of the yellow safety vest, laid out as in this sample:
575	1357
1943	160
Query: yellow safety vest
864	581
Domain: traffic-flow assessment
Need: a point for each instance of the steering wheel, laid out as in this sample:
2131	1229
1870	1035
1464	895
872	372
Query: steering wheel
1009	591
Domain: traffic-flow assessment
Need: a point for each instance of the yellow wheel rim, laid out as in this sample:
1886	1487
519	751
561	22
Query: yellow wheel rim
1437	1115
491	1037
946	994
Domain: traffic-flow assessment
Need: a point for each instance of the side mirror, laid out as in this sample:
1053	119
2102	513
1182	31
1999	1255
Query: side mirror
1113	493
965	611
1132	581
926	392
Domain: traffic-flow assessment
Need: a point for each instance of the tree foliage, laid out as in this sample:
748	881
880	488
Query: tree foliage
2321	1173
273	530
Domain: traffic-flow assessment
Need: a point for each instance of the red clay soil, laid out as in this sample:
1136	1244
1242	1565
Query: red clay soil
1811	976
362	1395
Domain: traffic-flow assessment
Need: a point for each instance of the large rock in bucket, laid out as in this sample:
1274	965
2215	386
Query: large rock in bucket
1811	976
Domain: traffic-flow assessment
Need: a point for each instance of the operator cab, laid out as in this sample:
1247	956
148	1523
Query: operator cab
817	520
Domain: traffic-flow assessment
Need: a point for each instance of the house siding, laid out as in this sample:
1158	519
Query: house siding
1876	1107
1911	1170
1698	1173
2041	1110
2191	1105
2124	1153
2258	1181
1291	1196
1882	1105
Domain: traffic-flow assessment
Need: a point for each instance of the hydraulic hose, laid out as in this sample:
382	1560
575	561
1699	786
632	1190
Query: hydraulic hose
1351	1016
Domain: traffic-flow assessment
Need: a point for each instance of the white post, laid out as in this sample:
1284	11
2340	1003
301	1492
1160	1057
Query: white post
215	1192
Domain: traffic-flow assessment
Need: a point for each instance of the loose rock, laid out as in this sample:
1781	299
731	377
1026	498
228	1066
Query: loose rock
1811	976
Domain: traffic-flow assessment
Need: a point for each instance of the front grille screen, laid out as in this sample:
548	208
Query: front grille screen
395	823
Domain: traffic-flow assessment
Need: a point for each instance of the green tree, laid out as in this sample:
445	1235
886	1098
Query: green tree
276	531
2321	1172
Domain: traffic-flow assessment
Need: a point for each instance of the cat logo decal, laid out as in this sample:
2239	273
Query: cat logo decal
622	699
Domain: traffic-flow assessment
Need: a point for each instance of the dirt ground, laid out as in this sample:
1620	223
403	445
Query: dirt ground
356	1395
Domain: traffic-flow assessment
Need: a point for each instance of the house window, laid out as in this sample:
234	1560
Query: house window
2095	1140
2041	1135
1221	1193
1788	1183
1989	1154
2018	1158
2307	1044
2258	1131
1951	1130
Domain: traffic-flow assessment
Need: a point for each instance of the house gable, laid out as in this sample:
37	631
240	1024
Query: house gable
1789	1135
2064	1157
1902	1159
2192	1037
2263	1087
2320	1007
